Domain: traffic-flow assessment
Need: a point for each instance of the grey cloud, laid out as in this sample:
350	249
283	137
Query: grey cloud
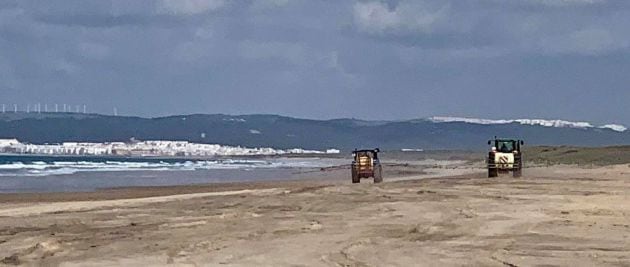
586	41
115	13
291	52
522	26
368	59
189	7
98	20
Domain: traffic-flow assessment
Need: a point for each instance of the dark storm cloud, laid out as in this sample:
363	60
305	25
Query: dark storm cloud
367	58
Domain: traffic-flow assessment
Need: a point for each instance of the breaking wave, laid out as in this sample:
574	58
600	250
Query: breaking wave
47	168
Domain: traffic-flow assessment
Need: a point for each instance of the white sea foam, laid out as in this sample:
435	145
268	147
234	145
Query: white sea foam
148	148
412	150
614	127
40	168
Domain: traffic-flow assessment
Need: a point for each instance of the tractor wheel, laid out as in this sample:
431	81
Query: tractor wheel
378	174
355	177
518	172
493	172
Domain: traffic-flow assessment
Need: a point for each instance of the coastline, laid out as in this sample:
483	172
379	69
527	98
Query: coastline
334	175
185	158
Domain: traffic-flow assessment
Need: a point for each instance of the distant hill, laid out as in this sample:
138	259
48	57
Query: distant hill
597	156
285	132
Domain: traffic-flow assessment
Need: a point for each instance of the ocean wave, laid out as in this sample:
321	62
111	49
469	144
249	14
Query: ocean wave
41	168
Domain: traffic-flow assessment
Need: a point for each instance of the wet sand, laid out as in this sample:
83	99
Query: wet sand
559	215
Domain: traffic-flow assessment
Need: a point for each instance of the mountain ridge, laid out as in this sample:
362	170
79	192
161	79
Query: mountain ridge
268	130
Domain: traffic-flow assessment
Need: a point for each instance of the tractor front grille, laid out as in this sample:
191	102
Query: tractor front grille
365	163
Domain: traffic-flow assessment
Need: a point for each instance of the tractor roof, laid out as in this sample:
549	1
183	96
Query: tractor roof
518	141
505	139
366	150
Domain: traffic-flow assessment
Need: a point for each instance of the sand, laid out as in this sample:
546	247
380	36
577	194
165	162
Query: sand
559	215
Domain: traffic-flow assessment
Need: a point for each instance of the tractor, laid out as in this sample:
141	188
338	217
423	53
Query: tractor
505	156
365	164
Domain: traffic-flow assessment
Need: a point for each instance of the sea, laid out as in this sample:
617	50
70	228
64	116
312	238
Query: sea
30	173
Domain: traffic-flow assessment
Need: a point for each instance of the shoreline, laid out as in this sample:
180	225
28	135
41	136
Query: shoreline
306	155
293	176
137	192
303	176
315	177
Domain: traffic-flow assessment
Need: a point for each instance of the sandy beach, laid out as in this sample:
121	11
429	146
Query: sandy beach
553	216
288	133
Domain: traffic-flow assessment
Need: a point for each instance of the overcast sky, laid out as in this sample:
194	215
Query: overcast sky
396	59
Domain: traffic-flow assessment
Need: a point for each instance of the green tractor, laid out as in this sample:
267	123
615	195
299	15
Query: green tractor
505	156
365	164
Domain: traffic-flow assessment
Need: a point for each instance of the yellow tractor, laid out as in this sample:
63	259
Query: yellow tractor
505	156
366	164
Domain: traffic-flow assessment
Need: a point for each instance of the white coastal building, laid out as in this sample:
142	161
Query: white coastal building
8	142
146	148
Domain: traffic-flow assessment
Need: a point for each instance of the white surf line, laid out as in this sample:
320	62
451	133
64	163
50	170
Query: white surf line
40	208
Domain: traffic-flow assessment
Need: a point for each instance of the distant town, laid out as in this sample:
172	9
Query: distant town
144	149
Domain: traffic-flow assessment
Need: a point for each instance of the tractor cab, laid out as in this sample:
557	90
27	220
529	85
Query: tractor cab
506	145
